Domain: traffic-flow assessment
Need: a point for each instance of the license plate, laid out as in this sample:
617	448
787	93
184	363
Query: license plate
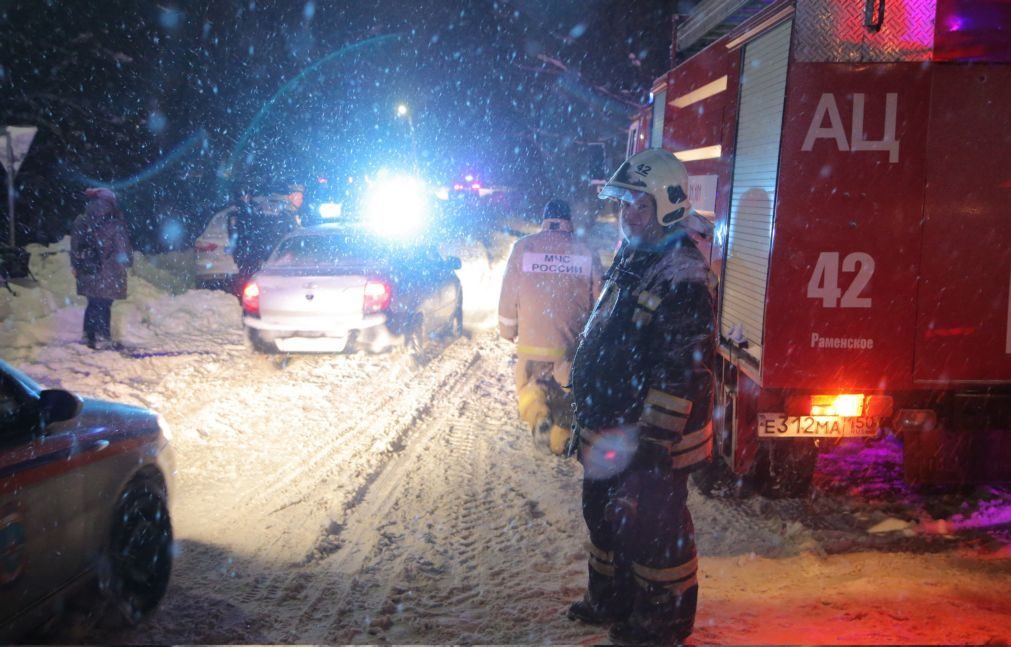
778	425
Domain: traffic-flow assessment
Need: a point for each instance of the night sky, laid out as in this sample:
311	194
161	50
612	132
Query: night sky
174	104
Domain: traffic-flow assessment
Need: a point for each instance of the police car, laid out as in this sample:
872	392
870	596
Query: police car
84	496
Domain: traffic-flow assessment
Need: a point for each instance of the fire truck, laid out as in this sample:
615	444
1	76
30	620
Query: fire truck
855	160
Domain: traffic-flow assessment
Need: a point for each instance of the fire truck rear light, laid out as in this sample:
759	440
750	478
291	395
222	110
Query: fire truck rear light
846	405
915	420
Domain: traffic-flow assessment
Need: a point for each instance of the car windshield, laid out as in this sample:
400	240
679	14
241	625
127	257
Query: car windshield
337	249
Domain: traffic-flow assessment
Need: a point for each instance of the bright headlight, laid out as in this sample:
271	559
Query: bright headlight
396	205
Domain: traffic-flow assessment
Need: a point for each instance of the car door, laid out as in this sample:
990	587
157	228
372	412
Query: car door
40	506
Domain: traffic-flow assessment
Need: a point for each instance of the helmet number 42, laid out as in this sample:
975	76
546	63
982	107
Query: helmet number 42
824	282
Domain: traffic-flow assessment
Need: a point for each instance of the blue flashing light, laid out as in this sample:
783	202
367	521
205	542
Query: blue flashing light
396	206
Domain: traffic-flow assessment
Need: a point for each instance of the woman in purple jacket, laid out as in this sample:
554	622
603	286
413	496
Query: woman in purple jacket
99	255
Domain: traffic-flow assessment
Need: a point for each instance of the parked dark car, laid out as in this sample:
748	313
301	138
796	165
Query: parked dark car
84	506
332	288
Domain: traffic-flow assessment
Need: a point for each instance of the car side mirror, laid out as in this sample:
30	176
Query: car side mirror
57	405
453	263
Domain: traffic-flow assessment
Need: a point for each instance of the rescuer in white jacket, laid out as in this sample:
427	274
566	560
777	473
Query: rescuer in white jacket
551	282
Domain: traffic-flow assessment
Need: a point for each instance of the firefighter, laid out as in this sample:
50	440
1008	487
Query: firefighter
550	284
643	390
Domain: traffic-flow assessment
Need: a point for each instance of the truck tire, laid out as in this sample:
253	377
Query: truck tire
716	476
784	468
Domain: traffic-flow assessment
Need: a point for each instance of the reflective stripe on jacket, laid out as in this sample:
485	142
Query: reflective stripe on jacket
645	357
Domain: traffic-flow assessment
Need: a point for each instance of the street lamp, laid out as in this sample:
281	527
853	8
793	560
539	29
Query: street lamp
404	111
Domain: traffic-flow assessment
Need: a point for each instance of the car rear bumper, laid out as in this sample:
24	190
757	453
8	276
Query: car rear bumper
373	332
317	326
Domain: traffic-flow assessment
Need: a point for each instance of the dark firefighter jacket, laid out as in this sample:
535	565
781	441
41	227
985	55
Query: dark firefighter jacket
644	360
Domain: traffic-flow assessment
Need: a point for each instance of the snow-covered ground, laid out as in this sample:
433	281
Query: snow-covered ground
386	499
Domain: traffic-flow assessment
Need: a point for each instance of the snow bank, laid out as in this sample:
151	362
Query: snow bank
48	311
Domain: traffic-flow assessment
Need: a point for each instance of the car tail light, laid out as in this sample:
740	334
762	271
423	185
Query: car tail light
378	295
251	299
206	247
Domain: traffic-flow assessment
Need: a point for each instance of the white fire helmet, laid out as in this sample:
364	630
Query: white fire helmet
659	173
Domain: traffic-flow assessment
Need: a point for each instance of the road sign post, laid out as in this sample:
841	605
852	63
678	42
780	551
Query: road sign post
14	146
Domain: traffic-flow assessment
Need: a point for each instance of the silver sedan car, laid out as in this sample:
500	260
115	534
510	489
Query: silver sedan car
332	288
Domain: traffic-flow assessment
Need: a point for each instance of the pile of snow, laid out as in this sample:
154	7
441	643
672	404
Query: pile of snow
48	311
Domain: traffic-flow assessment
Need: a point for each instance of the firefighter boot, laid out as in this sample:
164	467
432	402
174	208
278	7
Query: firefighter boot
626	633
586	612
609	591
558	439
660	616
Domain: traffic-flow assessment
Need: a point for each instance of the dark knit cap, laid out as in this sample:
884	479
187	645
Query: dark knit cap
557	209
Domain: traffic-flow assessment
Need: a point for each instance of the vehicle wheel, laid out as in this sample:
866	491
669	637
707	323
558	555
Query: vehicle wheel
784	468
258	343
140	552
417	334
716	476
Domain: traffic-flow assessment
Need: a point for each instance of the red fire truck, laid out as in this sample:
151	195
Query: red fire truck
856	161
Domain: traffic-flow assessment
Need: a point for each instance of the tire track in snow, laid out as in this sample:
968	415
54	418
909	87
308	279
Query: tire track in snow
465	542
373	487
302	497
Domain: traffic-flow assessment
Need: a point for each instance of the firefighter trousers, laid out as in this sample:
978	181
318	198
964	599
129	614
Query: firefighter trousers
543	401
642	562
